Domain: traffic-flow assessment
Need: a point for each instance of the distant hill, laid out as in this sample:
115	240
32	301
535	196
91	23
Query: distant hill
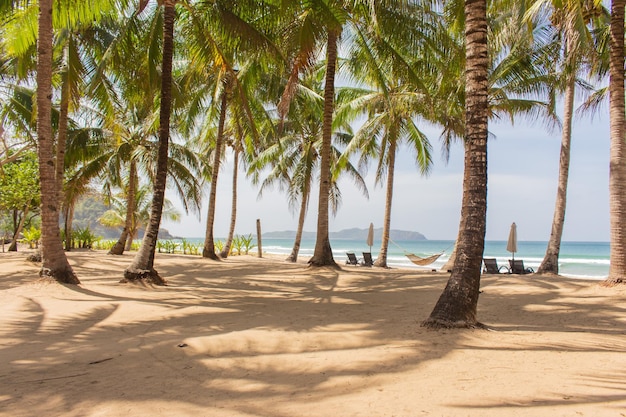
350	234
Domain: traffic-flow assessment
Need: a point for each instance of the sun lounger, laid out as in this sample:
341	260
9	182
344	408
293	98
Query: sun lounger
517	267
352	259
491	267
367	259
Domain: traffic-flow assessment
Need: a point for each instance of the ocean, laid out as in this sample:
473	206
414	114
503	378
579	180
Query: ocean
589	260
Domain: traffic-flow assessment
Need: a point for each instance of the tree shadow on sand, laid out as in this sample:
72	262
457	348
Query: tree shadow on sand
222	338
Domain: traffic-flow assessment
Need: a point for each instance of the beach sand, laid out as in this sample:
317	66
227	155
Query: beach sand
262	337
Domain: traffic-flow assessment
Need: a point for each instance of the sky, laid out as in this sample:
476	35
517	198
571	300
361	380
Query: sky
522	182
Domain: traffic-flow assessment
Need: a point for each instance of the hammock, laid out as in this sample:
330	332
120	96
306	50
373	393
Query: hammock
422	261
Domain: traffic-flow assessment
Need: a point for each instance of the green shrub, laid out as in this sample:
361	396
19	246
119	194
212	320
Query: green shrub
32	236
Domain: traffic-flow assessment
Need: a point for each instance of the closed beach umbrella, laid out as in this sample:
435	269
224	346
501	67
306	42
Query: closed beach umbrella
511	245
370	236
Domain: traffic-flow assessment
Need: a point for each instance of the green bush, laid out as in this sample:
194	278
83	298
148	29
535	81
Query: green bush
32	236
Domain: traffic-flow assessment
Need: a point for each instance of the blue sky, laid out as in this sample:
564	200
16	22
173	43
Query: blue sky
522	167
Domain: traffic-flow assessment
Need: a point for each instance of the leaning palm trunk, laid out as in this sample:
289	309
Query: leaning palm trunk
62	135
323	253
293	257
126	236
54	261
617	172
142	267
233	210
18	230
68	219
550	263
458	303
209	241
384	246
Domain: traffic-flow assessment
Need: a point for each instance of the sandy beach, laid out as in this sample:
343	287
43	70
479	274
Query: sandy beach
261	337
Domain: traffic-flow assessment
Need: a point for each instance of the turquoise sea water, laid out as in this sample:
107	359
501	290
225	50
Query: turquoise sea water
577	259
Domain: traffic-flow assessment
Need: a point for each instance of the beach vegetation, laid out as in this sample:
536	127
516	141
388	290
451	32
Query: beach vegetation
32	237
143	99
19	194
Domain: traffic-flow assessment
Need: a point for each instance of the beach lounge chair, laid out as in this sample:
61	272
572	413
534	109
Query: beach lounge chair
367	259
491	267
352	260
517	267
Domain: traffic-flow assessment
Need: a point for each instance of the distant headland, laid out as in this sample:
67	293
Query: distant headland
349	234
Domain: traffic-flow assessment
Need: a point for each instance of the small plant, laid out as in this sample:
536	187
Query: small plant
84	238
247	244
170	246
194	249
185	245
32	236
104	244
237	245
219	245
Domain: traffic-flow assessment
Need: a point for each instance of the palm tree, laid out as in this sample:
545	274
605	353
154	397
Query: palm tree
54	261
117	215
392	108
617	172
142	267
457	304
572	20
294	155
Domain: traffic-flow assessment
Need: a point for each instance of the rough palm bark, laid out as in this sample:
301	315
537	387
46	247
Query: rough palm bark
126	235
384	246
550	263
323	254
458	303
233	209
18	230
142	267
54	261
68	214
209	241
62	135
293	256
617	168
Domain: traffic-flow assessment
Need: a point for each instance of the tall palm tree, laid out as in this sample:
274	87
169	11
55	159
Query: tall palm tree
294	155
142	267
54	261
400	97
457	304
572	21
117	215
617	171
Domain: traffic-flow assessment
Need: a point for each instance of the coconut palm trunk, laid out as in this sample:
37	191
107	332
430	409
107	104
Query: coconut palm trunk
458	303
62	134
54	261
126	236
142	267
323	254
617	169
550	263
209	241
384	246
18	230
233	209
68	214
293	257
